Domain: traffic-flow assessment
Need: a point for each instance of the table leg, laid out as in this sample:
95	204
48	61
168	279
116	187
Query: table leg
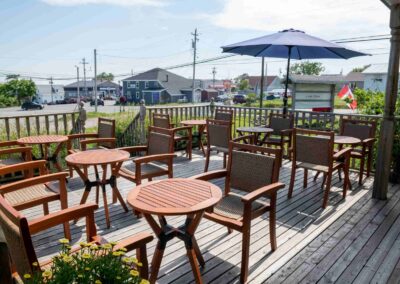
156	262
201	131
103	189
113	182
54	157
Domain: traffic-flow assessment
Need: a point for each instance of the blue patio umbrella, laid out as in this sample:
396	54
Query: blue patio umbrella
290	44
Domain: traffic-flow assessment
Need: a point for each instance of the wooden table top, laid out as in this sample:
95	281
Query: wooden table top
97	157
255	129
42	139
177	196
339	139
194	122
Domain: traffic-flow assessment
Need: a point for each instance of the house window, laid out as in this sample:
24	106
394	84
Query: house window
146	85
137	85
137	95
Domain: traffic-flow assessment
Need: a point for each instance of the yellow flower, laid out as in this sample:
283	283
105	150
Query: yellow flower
117	253
83	244
139	264
64	241
118	277
67	258
80	275
113	243
144	281
107	246
86	255
87	268
97	282
35	264
94	247
27	276
47	274
134	273
127	260
123	249
134	260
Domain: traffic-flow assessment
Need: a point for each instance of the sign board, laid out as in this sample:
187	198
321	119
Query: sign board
312	95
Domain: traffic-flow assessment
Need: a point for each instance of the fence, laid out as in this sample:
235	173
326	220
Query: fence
14	127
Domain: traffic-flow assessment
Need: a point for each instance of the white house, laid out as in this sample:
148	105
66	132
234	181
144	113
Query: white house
44	95
375	77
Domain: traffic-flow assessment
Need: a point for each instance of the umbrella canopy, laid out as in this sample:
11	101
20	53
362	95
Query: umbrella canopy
290	44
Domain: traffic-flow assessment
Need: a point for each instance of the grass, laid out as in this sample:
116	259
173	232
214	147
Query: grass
278	103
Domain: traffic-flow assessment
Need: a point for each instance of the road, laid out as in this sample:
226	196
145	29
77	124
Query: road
109	107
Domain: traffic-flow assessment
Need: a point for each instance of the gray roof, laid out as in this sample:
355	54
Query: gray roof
90	84
376	69
355	77
46	89
172	82
323	79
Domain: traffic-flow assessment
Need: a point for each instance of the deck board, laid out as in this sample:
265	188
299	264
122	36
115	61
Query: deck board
313	244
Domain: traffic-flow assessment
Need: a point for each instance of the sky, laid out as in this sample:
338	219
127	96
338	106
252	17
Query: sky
43	38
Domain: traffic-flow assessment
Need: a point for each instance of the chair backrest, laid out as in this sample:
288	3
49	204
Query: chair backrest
251	167
314	147
160	141
361	129
106	129
224	114
161	120
219	133
279	122
28	169
16	232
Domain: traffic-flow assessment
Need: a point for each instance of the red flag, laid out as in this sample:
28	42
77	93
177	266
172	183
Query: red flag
346	94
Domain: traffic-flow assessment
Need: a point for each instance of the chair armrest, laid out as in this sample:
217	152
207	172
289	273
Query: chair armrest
39	164
272	188
134	149
9	143
188	128
342	153
16	150
135	241
83	135
242	138
152	158
43	179
368	141
211	175
286	131
62	216
85	142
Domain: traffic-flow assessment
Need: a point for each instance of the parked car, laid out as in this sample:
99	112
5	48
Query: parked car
31	105
222	98
239	99
100	102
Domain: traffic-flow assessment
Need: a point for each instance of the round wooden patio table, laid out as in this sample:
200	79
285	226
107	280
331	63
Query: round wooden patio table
256	131
102	158
346	140
172	197
201	124
44	142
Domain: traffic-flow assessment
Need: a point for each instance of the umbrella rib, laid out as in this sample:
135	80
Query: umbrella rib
335	53
262	50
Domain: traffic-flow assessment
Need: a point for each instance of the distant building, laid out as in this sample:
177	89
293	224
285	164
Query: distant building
270	83
104	89
159	86
375	77
45	95
208	94
355	80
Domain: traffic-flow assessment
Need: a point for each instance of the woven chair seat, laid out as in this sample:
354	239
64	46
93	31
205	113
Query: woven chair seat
318	168
148	169
231	206
30	194
276	140
10	161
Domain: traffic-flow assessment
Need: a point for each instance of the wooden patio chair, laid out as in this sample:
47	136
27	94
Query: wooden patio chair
104	138
282	126
219	133
183	133
160	148
314	150
254	171
11	153
34	191
223	114
18	230
365	131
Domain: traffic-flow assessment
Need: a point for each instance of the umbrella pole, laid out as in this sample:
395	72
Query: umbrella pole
262	82
285	96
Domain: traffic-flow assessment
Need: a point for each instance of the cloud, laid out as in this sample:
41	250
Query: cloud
106	2
328	17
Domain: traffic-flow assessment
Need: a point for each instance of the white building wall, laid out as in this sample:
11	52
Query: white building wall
375	82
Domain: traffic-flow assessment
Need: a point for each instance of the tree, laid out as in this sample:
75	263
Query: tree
244	84
239	78
360	69
19	89
103	76
307	68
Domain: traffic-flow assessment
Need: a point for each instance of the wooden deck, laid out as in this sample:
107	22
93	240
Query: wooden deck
353	240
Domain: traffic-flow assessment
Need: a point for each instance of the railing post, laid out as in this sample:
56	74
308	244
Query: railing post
212	107
142	113
81	118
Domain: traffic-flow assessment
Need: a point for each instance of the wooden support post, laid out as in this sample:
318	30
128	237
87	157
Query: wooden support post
385	144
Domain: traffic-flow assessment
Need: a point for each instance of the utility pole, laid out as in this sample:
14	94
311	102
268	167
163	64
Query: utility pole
78	98
95	81
214	71
84	62
194	46
51	89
